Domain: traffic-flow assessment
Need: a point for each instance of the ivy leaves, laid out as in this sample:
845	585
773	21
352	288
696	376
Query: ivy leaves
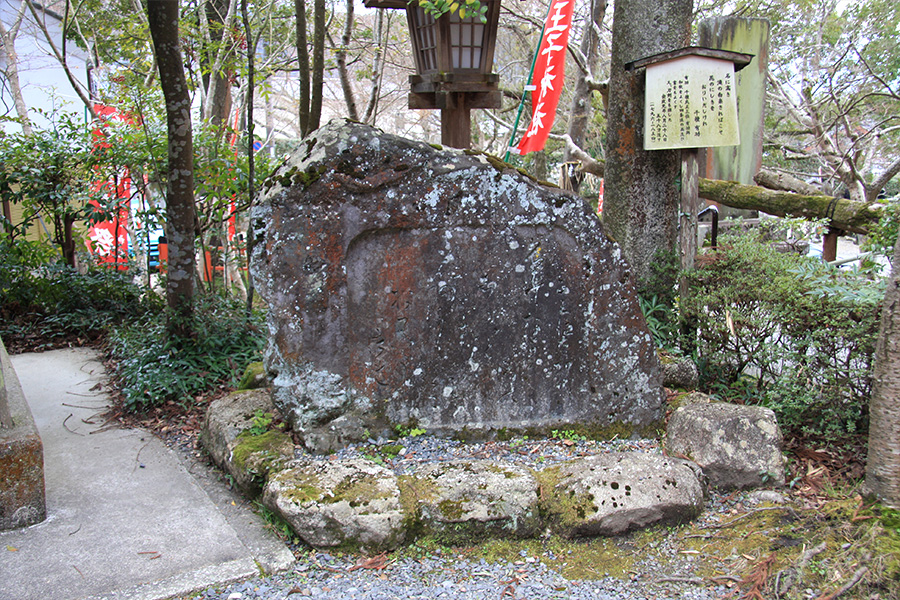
465	8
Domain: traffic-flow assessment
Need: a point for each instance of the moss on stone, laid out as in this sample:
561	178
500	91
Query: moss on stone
304	179
254	376
565	510
501	470
260	454
301	487
451	510
574	559
356	491
414	491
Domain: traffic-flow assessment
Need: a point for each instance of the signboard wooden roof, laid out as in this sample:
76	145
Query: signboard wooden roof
385	3
739	59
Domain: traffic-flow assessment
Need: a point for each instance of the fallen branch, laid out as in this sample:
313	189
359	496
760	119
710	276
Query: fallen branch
752	512
857	577
693	580
377	562
66	427
792	574
757	579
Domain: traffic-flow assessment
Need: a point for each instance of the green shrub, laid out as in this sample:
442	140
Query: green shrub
153	367
883	235
47	300
786	331
662	321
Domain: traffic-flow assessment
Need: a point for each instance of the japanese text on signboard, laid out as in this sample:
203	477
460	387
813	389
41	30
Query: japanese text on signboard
690	103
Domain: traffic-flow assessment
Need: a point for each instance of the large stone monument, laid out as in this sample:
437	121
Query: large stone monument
412	285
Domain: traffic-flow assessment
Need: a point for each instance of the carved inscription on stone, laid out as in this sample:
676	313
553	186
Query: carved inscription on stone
455	319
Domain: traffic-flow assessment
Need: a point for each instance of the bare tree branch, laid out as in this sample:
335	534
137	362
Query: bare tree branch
589	164
873	190
850	215
61	58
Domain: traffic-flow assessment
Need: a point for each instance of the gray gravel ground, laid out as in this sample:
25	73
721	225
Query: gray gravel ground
441	574
322	575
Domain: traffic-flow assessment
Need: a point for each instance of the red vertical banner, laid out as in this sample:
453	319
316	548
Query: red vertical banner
548	77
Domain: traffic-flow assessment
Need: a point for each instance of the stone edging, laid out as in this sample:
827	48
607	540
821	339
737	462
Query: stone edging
22	499
355	503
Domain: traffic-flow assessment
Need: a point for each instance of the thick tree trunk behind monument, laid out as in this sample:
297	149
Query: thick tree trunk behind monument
883	462
641	197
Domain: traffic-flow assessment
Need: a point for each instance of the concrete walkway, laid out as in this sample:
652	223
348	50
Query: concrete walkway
127	517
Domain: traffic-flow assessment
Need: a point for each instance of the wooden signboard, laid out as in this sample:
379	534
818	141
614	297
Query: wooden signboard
690	102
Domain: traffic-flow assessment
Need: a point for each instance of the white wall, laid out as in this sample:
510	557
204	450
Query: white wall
43	81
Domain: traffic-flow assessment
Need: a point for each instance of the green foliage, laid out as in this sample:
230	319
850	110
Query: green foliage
276	523
567	435
660	282
883	236
656	296
50	175
403	431
465	8
260	422
39	299
662	321
785	331
153	367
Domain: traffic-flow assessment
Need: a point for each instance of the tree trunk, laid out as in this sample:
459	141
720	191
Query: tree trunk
581	107
218	100
11	63
883	463
641	191
180	210
68	240
251	162
849	215
381	41
318	65
303	66
341	56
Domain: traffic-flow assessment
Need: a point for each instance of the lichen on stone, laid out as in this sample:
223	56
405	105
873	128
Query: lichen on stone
356	491
564	510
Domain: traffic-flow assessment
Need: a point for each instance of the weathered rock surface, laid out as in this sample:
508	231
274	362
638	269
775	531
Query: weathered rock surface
226	436
609	494
737	447
353	503
407	284
689	398
474	499
680	373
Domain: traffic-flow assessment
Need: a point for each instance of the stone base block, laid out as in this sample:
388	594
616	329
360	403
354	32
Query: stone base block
21	482
22	500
